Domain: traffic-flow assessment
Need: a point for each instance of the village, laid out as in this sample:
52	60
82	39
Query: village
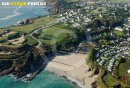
109	27
107	30
87	12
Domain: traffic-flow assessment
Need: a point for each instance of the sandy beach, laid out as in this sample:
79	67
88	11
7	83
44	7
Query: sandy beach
74	67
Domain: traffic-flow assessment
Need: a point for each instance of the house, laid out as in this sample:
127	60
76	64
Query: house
61	15
128	39
76	25
102	27
78	18
128	18
102	62
118	29
128	71
89	29
98	54
87	20
111	65
100	15
128	28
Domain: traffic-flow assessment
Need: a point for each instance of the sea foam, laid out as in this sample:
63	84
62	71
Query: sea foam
15	13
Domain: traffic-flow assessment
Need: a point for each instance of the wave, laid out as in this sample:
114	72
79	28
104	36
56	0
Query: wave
76	81
15	13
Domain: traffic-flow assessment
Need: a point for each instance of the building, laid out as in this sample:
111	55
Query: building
118	28
128	71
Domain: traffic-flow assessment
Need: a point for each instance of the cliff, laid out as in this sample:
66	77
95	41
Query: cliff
27	21
20	64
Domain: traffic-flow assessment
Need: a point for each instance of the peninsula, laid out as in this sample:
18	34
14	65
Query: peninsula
87	42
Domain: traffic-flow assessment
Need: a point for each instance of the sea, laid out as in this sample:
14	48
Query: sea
43	80
11	16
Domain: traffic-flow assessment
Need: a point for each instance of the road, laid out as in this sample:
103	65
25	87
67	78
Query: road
38	29
39	42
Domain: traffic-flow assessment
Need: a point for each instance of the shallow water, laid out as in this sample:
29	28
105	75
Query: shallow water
12	15
43	80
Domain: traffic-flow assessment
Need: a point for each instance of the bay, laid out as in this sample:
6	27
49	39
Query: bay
11	16
43	80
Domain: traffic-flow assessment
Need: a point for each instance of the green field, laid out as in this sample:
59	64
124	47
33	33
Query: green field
125	77
100	83
30	41
99	10
129	23
109	80
54	34
123	68
46	20
43	21
118	33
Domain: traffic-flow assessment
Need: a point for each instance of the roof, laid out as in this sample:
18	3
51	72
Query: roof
119	28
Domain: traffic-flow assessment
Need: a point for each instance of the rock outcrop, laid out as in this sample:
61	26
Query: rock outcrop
21	65
27	21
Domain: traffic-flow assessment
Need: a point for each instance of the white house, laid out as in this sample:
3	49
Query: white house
128	71
76	25
128	18
128	28
61	15
100	15
118	28
128	39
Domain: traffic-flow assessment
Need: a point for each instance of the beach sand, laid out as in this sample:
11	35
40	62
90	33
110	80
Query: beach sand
74	67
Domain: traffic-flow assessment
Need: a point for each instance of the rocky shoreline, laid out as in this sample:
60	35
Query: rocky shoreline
12	69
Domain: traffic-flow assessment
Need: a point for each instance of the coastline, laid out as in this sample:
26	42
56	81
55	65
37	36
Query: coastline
48	7
76	70
15	25
73	80
68	74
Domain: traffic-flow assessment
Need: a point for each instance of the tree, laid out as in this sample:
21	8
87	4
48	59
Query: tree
124	32
92	55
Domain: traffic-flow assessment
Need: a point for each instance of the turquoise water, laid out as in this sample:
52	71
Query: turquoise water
43	80
10	16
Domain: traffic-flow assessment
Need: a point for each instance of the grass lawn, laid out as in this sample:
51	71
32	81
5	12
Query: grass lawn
25	28
123	68
129	23
99	10
109	80
47	20
106	64
100	83
54	34
43	21
30	41
118	33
